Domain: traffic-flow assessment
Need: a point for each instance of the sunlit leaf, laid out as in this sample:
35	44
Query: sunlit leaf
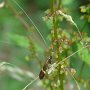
85	55
19	40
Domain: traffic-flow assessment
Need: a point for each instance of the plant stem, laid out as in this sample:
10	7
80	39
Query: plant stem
55	38
52	6
59	4
61	76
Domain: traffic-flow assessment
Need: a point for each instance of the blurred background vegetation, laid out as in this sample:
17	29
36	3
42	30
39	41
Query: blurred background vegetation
23	51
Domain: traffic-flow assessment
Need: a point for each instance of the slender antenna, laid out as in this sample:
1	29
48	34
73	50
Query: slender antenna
30	20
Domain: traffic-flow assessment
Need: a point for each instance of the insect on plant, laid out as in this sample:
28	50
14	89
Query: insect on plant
43	71
58	50
18	12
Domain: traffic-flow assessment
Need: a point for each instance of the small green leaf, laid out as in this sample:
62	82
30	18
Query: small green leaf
84	54
19	40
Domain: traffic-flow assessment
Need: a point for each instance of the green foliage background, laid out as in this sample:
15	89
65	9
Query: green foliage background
15	46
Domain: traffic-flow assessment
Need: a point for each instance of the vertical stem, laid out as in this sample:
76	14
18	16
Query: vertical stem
61	76
56	22
52	6
59	4
55	27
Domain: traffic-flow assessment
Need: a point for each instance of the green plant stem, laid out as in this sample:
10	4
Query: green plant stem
52	6
61	76
59	4
55	38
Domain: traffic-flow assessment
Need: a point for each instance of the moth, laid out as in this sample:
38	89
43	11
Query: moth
45	67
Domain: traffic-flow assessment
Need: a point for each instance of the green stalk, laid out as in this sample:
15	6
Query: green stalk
61	76
52	6
59	4
55	27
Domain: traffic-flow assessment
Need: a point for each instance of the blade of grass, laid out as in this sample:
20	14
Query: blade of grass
30	20
30	83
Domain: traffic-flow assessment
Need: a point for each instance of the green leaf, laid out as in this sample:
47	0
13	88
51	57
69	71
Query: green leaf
19	40
84	54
